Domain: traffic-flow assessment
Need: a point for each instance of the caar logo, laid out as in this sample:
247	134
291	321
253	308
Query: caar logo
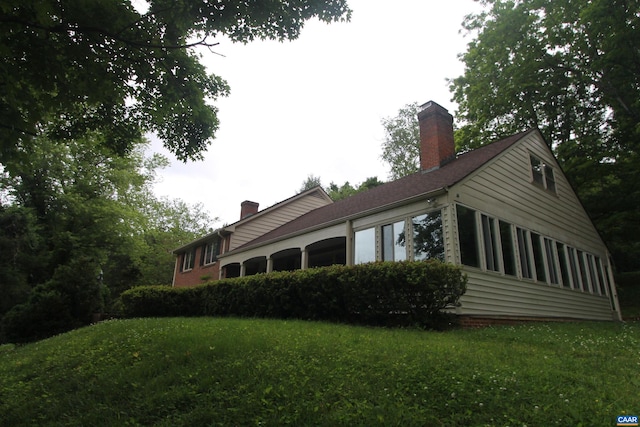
627	420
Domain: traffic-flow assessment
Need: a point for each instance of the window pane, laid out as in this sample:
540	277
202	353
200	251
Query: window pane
525	256
564	267
574	268
467	233
490	246
550	178
603	288
583	272
387	242
536	170
508	253
393	242
365	246
551	261
537	257
592	274
427	236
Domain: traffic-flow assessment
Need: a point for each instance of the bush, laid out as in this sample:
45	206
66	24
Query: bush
384	293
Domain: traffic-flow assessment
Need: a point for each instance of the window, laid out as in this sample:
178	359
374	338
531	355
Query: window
574	268
508	253
210	252
550	179
564	266
542	174
583	272
188	260
538	257
428	242
467	234
490	243
549	250
603	288
525	255
536	170
393	242
596	288
365	246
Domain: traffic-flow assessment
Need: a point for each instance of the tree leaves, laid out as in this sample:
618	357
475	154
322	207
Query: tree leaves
71	67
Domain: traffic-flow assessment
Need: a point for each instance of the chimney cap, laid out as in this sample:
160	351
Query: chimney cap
431	104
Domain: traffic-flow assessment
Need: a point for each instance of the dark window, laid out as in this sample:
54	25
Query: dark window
490	243
564	266
595	285
551	261
210	252
467	233
393	242
536	170
574	268
537	257
542	174
508	253
428	242
603	288
525	255
549	178
188	260
583	272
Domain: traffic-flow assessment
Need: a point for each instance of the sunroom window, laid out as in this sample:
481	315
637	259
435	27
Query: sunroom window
428	242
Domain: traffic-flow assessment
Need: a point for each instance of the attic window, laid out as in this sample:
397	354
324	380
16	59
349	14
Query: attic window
542	174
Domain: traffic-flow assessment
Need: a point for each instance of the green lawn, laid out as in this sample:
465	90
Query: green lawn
209	371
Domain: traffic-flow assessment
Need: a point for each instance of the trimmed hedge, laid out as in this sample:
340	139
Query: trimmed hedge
383	293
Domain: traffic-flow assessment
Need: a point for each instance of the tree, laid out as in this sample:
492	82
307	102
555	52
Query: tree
70	67
569	68
401	146
347	190
310	182
80	225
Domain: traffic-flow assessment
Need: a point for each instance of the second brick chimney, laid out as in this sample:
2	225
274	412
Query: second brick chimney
248	208
436	136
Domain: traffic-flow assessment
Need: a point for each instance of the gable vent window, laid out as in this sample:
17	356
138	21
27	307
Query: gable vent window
542	174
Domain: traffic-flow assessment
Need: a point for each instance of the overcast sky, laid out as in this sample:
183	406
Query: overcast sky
313	106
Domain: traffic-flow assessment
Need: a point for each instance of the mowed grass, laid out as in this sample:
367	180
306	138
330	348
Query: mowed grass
245	372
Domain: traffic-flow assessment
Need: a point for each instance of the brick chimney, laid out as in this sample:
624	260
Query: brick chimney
436	136
248	208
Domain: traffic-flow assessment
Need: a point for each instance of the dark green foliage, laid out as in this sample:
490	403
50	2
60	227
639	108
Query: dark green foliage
385	293
77	66
570	69
628	285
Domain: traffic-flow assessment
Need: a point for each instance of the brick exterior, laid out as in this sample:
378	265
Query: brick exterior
197	273
436	136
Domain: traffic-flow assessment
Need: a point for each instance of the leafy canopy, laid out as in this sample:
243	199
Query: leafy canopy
569	68
73	66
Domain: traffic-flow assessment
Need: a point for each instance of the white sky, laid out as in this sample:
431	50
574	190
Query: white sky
314	106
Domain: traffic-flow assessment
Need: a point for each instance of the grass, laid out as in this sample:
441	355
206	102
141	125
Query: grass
210	371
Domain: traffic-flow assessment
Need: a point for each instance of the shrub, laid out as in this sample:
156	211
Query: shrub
384	293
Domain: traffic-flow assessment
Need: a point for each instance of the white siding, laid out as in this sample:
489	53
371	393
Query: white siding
279	215
503	189
489	294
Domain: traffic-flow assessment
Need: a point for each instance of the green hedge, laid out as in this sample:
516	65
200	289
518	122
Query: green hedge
384	293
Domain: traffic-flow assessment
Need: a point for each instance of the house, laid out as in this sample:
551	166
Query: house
505	212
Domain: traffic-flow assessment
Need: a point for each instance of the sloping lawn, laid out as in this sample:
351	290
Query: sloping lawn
210	371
